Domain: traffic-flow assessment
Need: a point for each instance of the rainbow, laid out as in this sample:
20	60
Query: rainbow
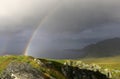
25	52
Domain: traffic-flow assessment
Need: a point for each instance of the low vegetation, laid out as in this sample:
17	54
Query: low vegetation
52	68
108	63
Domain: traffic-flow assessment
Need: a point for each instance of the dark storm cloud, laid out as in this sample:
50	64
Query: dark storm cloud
75	24
72	25
20	14
74	16
17	42
71	15
17	17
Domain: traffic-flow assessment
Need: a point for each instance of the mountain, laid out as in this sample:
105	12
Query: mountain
105	48
27	67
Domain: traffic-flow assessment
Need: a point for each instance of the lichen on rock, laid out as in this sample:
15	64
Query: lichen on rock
18	70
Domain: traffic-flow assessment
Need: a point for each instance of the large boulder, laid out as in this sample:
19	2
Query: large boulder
76	73
18	70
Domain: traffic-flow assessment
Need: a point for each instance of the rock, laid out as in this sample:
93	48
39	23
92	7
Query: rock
52	70
38	61
76	73
18	70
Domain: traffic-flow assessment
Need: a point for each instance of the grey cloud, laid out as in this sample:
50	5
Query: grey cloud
74	16
17	43
18	19
19	14
75	24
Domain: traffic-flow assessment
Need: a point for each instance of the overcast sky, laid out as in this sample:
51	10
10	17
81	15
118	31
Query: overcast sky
61	25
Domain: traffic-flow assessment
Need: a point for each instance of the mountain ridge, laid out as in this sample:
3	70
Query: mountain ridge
105	48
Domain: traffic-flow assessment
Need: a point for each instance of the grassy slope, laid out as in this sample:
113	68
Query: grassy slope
112	63
107	62
48	72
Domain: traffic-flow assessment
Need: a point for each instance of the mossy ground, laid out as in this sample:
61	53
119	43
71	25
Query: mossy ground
112	63
48	71
106	62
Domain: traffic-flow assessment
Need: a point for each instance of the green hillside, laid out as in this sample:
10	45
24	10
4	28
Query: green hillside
28	67
35	63
111	63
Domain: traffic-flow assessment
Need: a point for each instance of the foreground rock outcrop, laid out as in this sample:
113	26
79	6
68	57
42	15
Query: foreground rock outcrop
32	68
21	71
76	73
25	71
